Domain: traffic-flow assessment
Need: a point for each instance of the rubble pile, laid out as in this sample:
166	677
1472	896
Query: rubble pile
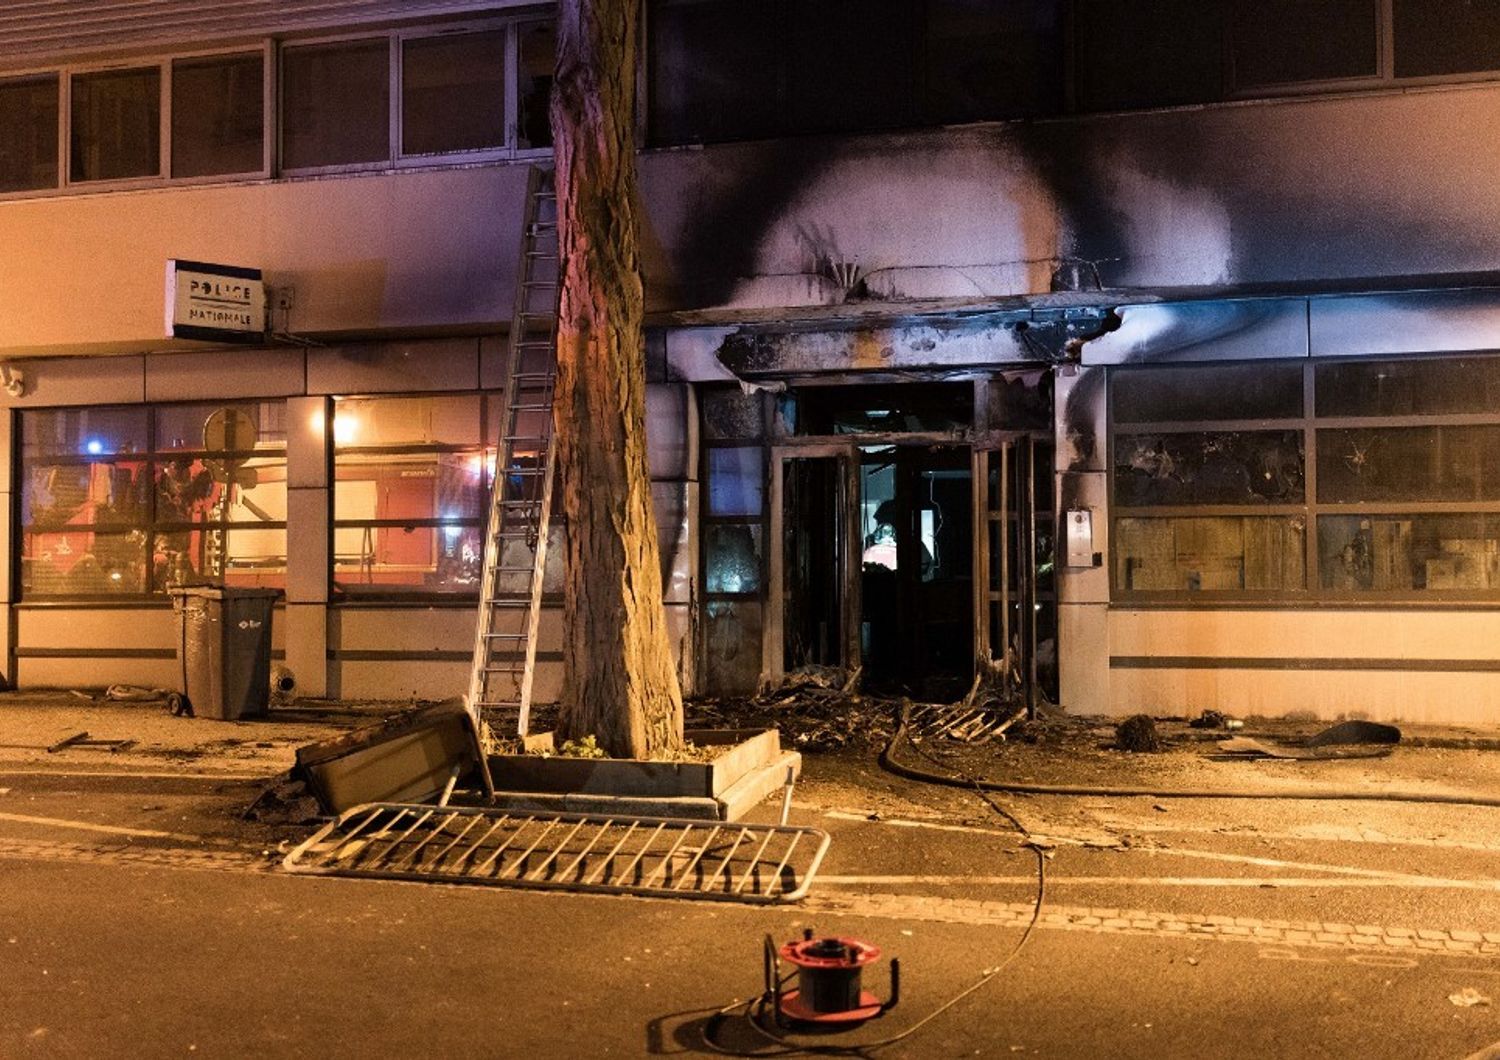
815	709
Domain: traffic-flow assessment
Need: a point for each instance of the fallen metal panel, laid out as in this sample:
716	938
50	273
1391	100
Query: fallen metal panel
659	856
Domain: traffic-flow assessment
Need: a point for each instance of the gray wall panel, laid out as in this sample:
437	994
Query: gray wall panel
395	367
226	374
1413	322
1204	331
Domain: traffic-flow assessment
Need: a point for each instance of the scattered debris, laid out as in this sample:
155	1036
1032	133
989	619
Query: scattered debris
1209	719
82	739
1138	735
285	801
1356	732
1468	997
406	758
175	702
1347	739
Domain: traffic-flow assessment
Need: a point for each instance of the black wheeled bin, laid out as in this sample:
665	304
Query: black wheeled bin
224	648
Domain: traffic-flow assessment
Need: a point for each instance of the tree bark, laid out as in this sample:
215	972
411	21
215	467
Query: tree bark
620	682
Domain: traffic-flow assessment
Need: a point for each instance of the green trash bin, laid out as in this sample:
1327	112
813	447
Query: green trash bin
224	649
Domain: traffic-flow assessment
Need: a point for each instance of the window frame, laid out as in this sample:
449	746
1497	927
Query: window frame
153	457
61	160
1311	510
490	411
396	157
269	117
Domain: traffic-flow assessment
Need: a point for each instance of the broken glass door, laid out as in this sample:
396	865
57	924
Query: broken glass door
1014	586
812	541
916	566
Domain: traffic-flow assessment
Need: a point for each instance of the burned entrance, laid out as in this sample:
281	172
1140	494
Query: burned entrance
892	544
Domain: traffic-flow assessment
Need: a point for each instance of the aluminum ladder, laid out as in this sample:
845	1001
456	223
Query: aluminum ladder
515	545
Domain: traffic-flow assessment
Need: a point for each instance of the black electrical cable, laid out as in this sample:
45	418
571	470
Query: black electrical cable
888	762
755	1010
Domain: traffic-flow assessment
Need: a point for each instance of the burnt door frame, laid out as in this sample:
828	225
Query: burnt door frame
1009	454
773	639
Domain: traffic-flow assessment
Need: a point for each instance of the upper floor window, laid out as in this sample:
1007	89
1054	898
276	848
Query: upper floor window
335	104
398	97
115	122
28	133
412	97
218	115
728	70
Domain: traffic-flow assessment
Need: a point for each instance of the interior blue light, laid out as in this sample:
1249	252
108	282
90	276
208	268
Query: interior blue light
93	446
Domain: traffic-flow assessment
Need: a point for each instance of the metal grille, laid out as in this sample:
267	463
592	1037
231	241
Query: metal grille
660	856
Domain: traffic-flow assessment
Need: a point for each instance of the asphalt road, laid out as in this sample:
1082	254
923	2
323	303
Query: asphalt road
140	917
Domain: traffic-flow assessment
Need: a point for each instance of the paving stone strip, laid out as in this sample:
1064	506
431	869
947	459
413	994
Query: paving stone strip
1161	924
1306	933
134	854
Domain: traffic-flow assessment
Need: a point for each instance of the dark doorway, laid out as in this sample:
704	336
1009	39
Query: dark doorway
816	543
916	604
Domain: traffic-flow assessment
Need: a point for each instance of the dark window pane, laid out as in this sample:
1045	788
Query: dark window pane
736	481
1266	391
1438	387
731	414
1231	553
850	64
1405	553
83	563
1021	401
218	115
715	69
1147	53
116	130
1409	463
28	134
1209	467
988	61
538	58
884	408
731	646
1279	42
732	556
84	432
1446	36
453	93
336	104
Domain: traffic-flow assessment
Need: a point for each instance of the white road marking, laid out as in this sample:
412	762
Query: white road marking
108	829
137	773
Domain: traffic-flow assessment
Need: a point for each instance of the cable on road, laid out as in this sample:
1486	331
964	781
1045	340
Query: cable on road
756	1011
926	776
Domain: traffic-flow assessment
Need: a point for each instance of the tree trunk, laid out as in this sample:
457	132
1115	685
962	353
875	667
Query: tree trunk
620	682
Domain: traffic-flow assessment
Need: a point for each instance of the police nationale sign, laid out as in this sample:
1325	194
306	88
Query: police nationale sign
215	303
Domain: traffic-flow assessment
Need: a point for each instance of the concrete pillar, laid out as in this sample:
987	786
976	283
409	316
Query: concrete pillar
309	535
1083	591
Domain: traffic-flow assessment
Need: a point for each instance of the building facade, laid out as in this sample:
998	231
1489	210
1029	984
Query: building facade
1146	349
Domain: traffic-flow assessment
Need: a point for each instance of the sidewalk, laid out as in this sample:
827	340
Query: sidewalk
1063	751
32	722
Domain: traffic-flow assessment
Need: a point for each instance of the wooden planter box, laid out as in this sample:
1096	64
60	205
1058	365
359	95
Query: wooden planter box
744	752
